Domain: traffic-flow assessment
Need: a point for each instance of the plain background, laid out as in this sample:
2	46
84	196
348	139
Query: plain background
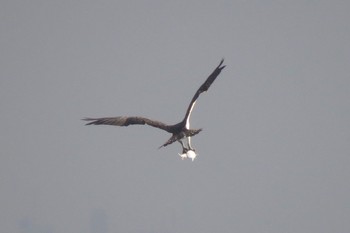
274	153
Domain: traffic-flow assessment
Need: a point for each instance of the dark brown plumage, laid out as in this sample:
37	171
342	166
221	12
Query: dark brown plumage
179	131
125	121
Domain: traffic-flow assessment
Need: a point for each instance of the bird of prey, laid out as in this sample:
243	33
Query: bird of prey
181	131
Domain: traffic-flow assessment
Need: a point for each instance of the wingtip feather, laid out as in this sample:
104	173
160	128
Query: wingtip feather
221	62
89	119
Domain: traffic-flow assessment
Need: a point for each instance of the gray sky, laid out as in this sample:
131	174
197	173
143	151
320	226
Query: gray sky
274	154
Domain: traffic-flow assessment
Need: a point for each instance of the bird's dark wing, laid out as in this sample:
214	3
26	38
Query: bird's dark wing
204	87
125	121
171	140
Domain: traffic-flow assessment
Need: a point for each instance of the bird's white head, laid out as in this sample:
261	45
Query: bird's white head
189	154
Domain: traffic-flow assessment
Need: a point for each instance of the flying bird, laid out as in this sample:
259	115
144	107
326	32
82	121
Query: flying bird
181	131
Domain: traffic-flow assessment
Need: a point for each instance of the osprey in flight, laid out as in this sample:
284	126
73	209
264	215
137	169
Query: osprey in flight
180	132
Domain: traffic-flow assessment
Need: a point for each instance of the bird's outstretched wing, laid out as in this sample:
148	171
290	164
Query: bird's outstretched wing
125	121
204	87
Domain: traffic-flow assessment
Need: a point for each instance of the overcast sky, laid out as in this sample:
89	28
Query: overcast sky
274	153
